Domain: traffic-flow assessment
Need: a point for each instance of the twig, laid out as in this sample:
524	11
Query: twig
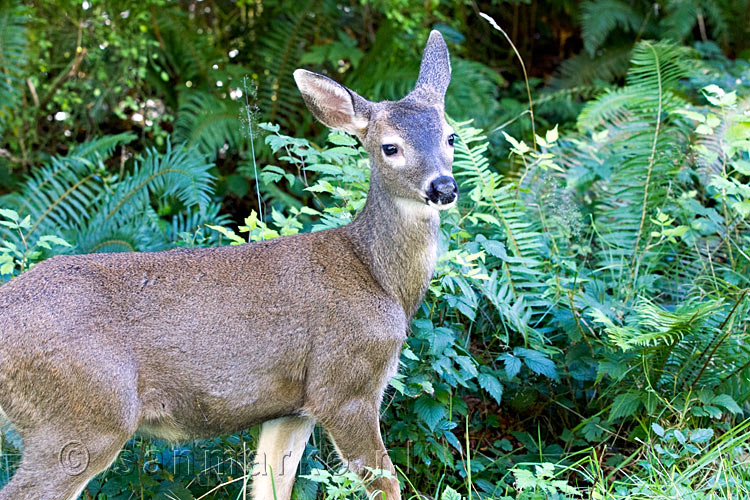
6	154
32	89
73	69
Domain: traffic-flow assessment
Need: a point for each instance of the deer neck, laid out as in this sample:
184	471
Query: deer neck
397	240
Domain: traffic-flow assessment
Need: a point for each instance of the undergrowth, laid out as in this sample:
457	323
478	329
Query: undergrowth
586	331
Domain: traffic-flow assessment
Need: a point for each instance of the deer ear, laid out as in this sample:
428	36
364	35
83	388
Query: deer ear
332	104
435	70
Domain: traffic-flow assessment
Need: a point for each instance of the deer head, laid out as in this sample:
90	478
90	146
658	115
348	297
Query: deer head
409	142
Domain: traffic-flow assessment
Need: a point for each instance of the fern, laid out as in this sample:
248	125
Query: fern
12	56
59	195
208	123
280	48
518	257
680	347
75	198
600	17
639	137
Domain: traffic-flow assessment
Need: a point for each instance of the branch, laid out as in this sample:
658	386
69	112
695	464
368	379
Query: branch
72	70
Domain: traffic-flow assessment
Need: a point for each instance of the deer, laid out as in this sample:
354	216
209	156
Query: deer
288	333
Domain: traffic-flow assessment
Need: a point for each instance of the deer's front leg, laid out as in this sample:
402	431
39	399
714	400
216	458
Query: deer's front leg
282	442
356	434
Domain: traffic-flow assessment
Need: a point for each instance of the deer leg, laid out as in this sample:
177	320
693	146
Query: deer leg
356	435
58	466
282	442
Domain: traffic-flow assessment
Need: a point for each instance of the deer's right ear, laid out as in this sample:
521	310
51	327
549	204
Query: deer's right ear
334	105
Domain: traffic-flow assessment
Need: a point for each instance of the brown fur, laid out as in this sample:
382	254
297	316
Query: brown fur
196	343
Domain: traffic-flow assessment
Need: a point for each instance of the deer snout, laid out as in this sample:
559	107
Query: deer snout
443	191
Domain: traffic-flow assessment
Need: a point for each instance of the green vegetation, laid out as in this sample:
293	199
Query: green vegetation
586	334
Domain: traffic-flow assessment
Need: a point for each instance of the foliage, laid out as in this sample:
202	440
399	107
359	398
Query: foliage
586	330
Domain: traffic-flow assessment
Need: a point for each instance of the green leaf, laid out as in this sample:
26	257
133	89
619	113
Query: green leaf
512	365
525	479
552	135
701	435
658	429
625	405
680	437
742	166
537	362
467	364
48	239
228	233
9	214
429	411
341	139
450	494
726	401
441	340
492	385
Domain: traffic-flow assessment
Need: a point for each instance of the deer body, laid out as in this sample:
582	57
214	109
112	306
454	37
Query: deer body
195	343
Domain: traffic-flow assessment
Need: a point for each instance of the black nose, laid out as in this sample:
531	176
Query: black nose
443	190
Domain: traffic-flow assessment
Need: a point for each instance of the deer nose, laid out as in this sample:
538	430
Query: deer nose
443	190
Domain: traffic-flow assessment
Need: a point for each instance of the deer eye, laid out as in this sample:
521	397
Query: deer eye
451	139
389	149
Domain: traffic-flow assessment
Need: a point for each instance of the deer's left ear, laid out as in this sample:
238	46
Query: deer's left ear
435	70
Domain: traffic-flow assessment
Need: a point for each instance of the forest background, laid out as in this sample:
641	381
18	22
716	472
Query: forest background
586	332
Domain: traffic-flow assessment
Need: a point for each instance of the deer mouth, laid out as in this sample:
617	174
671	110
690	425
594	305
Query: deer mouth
440	205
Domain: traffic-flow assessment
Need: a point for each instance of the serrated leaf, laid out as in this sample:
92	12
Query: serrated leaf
492	385
512	365
625	405
429	411
524	479
658	429
442	339
537	362
467	364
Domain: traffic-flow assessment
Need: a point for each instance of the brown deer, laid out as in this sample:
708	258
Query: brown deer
287	333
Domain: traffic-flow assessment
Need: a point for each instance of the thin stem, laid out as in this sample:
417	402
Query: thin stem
721	341
523	67
252	150
651	162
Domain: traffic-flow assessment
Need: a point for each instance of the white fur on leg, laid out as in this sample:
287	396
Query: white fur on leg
282	442
78	495
86	483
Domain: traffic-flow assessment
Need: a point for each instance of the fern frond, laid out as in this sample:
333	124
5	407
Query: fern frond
280	49
582	70
125	217
101	148
514	287
680	19
600	17
12	56
637	132
208	123
60	195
